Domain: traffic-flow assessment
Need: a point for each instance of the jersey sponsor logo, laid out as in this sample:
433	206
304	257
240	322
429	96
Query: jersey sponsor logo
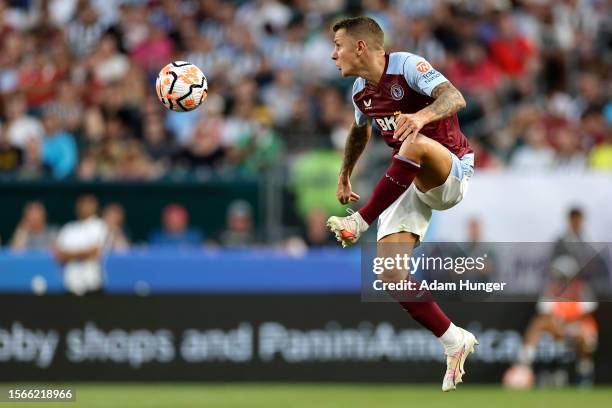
386	124
423	66
431	76
397	92
368	103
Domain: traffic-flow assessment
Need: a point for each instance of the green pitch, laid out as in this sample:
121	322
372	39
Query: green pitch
187	395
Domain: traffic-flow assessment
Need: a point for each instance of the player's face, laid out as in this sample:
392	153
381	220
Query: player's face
344	53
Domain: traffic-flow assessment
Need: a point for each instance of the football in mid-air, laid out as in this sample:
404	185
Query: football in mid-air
181	86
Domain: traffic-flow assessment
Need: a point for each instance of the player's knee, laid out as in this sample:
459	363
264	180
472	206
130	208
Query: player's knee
416	150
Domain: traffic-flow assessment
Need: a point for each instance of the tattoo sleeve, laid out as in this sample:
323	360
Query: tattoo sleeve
448	100
355	144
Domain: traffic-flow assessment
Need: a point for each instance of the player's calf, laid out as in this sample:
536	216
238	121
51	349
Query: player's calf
390	187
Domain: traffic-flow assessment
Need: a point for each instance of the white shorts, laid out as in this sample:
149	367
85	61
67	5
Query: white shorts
411	212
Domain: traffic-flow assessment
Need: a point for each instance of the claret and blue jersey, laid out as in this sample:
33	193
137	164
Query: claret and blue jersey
406	87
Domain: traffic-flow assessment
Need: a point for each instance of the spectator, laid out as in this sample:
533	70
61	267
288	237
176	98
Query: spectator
238	232
591	93
12	52
299	133
593	127
114	218
536	154
157	143
317	235
83	34
32	232
569	155
59	148
572	240
476	246
107	63
93	62
10	156
260	149
204	150
131	163
511	51
68	106
331	109
39	75
314	181
472	71
20	126
33	166
80	247
87	169
419	40
282	96
176	232
573	243
601	157
155	51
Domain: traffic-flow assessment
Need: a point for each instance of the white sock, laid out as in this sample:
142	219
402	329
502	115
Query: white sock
451	339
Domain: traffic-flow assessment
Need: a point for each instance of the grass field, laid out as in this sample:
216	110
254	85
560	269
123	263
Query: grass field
187	395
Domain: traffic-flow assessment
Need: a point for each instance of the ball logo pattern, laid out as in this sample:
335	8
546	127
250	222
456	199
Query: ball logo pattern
181	86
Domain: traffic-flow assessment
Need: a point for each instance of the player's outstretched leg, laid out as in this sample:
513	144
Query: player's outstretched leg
458	343
425	162
396	180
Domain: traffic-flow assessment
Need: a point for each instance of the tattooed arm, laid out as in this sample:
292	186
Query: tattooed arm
448	100
355	145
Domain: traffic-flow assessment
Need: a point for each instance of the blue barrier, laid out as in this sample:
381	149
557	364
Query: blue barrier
193	271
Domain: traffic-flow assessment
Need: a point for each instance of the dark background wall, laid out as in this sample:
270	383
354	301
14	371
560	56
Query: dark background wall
258	338
206	202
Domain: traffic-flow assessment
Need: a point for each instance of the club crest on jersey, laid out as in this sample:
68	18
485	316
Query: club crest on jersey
397	92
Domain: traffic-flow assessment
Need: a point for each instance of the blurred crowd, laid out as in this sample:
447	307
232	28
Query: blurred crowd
35	232
77	100
106	228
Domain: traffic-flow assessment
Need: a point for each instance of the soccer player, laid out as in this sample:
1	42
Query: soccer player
414	107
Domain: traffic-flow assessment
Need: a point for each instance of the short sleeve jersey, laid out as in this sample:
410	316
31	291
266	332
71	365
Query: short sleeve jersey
406	87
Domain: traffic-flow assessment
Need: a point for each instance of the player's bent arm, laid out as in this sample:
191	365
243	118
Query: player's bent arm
448	100
82	255
356	142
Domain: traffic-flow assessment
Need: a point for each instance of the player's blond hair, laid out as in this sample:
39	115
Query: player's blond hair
362	28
